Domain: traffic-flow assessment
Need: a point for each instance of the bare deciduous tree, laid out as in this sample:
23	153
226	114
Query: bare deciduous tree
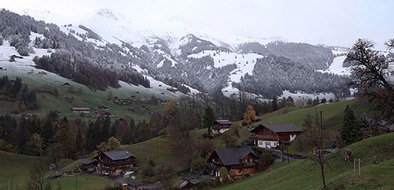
370	75
36	179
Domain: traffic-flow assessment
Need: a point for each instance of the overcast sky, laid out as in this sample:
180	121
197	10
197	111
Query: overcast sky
332	22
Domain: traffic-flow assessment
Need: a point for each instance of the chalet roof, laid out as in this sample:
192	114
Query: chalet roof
233	156
118	154
279	127
86	161
134	183
223	122
78	109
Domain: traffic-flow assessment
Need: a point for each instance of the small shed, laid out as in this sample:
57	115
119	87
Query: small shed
221	126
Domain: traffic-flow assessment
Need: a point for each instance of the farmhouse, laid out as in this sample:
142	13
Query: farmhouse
238	161
115	162
221	126
80	110
270	135
187	183
87	165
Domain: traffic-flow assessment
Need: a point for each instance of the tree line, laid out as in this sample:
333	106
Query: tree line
57	137
19	93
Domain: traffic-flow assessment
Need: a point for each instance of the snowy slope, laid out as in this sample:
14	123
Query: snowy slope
336	67
245	64
159	87
137	32
26	69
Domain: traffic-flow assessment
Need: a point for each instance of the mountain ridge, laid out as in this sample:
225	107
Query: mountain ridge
171	59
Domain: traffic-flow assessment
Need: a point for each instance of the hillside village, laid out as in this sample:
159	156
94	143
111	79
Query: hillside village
79	111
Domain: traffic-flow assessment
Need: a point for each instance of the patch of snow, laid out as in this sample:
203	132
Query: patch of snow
336	67
305	96
159	87
245	64
339	52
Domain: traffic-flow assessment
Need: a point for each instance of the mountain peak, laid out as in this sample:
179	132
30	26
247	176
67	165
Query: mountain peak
108	13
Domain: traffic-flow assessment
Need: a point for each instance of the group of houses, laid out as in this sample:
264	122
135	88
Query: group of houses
242	161
238	161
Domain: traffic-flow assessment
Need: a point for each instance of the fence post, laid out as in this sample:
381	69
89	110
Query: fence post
354	165
359	170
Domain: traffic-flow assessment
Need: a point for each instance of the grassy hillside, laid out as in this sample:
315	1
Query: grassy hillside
82	95
304	174
332	113
332	118
157	148
16	167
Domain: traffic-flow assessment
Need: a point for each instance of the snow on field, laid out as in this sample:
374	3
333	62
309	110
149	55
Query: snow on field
245	64
339	51
159	87
166	57
337	67
25	67
305	96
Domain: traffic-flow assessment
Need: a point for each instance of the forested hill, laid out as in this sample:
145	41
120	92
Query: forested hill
72	58
274	74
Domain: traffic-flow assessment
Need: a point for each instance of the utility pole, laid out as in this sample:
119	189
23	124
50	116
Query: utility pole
320	151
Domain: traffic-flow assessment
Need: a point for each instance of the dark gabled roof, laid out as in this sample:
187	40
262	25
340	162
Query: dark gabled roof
279	127
86	161
232	156
223	122
118	154
134	183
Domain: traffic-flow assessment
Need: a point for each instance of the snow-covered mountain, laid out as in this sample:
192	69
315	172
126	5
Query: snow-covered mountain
116	28
178	53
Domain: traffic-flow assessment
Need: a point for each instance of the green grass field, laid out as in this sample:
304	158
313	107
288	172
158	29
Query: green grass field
304	174
332	113
87	182
82	97
16	167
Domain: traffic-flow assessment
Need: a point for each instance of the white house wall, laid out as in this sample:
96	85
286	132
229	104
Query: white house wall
292	137
267	144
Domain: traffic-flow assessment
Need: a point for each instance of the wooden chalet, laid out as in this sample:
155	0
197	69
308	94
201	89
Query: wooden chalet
115	162
80	110
221	126
238	161
270	135
187	183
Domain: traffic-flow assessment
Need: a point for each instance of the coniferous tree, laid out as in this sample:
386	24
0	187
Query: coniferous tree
275	103
208	119
79	140
350	132
105	129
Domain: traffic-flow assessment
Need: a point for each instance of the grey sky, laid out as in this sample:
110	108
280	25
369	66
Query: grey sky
332	22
